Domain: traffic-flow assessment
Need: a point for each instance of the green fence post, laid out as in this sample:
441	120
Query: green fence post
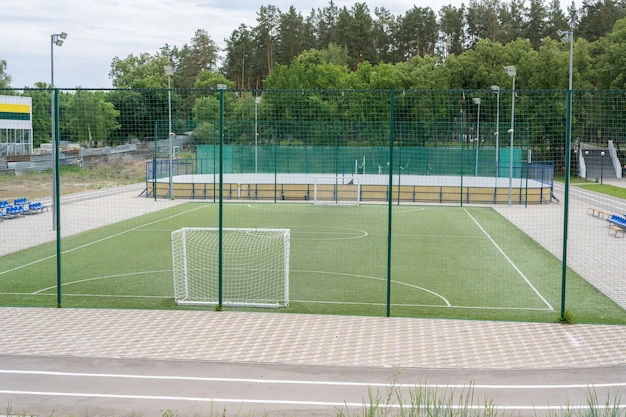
57	192
220	267
568	137
390	199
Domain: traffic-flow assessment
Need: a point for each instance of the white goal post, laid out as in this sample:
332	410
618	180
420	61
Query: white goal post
336	190
255	267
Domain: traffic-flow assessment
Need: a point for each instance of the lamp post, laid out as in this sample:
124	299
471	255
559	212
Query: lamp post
169	71
601	167
477	102
586	169
496	89
511	71
55	39
257	101
565	36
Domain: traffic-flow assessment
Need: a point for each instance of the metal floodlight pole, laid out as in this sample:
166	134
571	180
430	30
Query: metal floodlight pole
477	102
511	71
496	89
601	167
169	72
55	39
567	36
257	101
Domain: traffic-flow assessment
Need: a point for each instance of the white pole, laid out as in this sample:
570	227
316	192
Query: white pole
496	89
169	102
257	100
511	71
477	101
169	71
511	145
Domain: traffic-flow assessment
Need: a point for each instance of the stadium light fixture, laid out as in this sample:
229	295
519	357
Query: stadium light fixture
169	71
257	101
511	71
55	39
477	102
602	167
496	89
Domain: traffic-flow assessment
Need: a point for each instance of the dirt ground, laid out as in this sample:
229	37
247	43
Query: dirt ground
38	186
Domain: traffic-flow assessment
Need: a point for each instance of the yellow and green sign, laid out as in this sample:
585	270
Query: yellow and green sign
9	111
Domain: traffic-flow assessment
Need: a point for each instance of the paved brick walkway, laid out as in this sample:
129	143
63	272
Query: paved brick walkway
308	339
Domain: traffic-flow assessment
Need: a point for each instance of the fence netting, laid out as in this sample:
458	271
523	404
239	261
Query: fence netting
417	203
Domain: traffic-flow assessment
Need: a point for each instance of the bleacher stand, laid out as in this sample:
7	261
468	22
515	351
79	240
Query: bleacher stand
617	225
20	207
36	207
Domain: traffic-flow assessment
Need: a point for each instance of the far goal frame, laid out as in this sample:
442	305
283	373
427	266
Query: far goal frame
336	190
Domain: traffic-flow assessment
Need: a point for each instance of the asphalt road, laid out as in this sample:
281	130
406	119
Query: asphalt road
96	387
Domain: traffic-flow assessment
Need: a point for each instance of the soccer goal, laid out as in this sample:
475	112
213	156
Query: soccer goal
337	189
255	267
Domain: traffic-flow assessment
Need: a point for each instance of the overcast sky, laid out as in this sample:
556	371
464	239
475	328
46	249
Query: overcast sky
99	30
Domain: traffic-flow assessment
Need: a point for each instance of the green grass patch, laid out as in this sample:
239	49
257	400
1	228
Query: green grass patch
446	262
619	192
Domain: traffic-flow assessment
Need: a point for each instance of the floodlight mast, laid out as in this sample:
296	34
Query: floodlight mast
511	71
567	36
496	89
257	101
56	39
477	102
169	71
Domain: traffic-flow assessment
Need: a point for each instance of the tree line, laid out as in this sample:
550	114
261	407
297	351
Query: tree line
345	49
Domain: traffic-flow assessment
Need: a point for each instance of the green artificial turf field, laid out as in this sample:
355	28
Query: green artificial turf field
446	262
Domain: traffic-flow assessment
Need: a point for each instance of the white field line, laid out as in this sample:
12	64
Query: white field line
510	261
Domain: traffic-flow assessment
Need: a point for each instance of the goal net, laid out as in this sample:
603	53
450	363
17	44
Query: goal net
255	267
337	189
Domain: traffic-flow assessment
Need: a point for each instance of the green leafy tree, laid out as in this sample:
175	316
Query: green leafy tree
482	20
239	62
512	18
385	27
598	17
200	55
5	79
452	33
143	71
611	63
266	34
42	120
327	24
355	32
291	38
93	119
536	23
133	115
418	33
423	73
209	80
556	20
